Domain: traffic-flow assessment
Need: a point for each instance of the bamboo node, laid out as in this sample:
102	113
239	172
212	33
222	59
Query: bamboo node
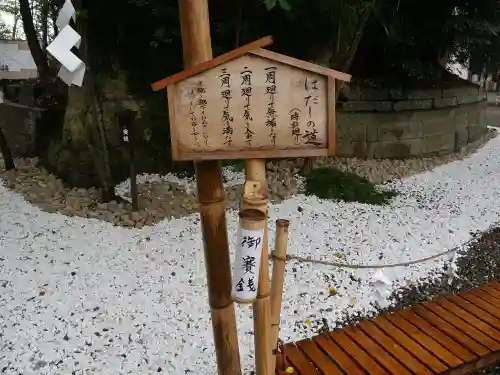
283	223
262	296
273	255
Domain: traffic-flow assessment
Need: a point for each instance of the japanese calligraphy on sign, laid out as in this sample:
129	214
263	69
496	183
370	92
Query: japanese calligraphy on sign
252	104
247	264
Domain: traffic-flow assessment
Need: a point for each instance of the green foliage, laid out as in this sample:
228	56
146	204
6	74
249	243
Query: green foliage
401	41
283	4
237	164
405	38
329	183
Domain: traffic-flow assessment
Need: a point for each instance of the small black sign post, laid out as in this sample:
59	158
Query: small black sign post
126	120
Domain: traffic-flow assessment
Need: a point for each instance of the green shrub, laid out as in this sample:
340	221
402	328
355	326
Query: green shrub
329	183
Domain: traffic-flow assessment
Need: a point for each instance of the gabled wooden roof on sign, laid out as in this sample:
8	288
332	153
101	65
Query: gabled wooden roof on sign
254	48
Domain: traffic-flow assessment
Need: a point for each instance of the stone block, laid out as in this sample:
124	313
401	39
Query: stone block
461	138
469	98
374	94
398	94
461	91
345	148
476	131
366	106
350	130
461	120
26	95
402	149
438	143
445	102
425	94
438	126
407	105
355	93
372	131
399	130
442	114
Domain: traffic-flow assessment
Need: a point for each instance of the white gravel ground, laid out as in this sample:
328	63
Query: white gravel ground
80	296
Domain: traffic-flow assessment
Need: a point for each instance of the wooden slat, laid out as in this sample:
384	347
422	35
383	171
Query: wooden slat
358	354
426	357
440	351
459	324
481	293
472	368
376	351
495	293
480	309
299	361
346	363
321	361
494	284
451	331
396	350
463	353
471	320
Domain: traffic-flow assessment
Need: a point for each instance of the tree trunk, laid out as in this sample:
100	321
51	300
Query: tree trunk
84	120
44	14
14	28
5	150
31	36
350	51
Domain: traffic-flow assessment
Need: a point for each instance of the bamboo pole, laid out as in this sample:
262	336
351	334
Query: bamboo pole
255	173
279	263
195	29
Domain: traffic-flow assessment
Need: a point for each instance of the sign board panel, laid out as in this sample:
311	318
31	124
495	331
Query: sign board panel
253	104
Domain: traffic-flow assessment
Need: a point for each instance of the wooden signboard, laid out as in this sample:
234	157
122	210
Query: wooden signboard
252	103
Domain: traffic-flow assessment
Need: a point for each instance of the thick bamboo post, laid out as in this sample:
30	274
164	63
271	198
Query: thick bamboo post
255	171
195	28
277	280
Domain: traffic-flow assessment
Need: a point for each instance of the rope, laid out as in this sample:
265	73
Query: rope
373	266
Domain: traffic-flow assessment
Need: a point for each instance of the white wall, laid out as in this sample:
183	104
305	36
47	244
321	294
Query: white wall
17	57
14	57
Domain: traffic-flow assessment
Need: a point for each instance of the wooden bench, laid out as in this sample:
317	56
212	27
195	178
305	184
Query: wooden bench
452	335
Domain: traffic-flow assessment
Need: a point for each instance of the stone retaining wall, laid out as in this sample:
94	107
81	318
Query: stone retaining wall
371	124
18	123
397	125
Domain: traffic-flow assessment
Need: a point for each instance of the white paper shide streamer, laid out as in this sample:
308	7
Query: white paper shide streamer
381	288
247	264
72	68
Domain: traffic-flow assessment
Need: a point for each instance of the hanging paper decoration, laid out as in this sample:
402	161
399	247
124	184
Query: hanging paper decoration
66	13
72	68
247	264
381	288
